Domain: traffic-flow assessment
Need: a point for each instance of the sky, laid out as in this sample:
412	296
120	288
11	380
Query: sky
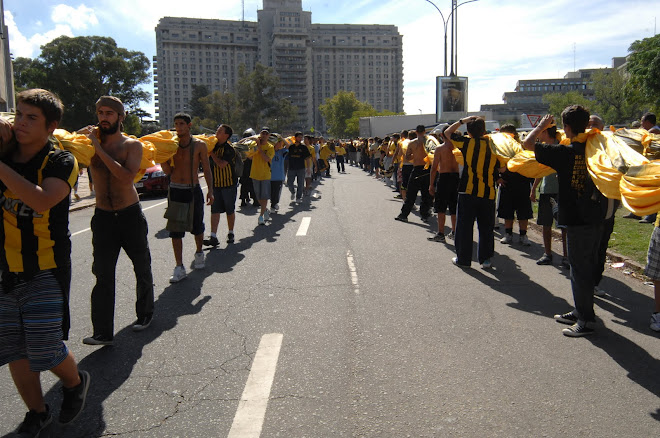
499	41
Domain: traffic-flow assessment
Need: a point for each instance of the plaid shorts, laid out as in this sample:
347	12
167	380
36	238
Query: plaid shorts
652	269
31	322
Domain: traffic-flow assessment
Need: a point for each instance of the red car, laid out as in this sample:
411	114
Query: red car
154	181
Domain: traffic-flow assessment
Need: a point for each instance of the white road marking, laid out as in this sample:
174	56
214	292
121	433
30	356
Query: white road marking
80	232
304	225
251	410
354	276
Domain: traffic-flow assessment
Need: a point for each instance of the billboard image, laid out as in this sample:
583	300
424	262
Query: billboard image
451	99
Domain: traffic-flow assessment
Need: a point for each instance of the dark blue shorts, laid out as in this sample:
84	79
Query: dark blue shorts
196	196
225	200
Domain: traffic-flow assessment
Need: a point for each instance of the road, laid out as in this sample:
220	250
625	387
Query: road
355	326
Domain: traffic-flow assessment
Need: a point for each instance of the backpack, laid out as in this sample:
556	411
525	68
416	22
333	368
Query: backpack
238	163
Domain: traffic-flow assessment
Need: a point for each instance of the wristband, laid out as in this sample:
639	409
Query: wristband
460	121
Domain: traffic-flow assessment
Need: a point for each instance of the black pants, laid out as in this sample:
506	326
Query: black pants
340	162
420	179
471	208
275	192
112	231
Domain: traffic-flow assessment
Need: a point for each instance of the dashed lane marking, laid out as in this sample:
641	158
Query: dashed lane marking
351	268
304	225
251	411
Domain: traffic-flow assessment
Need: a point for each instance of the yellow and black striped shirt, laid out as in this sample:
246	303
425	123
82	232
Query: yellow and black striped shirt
224	177
480	168
33	241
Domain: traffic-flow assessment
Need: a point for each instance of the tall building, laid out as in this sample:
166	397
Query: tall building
313	61
6	70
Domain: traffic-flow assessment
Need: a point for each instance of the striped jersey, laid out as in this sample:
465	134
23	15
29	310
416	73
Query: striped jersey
480	168
224	177
33	241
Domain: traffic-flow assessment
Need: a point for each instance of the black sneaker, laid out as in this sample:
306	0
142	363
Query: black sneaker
35	424
577	331
142	323
565	263
230	238
211	241
74	399
426	219
401	218
545	260
566	318
438	237
98	340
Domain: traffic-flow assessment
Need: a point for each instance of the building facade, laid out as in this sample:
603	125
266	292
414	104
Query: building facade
313	61
7	102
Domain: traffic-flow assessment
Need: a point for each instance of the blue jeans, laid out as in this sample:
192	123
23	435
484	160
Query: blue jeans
582	243
112	231
483	210
299	176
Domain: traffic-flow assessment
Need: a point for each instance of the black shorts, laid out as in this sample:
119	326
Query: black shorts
224	200
515	200
406	170
545	214
185	195
446	193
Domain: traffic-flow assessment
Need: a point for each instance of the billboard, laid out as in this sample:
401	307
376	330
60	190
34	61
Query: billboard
451	97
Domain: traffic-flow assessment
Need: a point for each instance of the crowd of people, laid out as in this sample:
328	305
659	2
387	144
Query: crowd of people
36	179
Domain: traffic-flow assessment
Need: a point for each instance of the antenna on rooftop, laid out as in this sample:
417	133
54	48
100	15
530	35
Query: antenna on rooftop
573	56
243	10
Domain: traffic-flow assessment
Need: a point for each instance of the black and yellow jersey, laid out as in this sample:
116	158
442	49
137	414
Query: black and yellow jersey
224	177
33	241
480	169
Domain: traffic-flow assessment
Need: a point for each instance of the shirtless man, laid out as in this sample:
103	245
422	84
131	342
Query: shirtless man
419	178
184	187
445	189
118	221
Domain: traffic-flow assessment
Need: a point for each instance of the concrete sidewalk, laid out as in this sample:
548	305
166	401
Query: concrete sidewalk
87	198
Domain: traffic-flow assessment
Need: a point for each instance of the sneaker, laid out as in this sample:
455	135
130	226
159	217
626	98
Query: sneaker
451	235
261	220
566	318
655	322
631	216
275	207
198	263
454	260
74	399
178	274
565	263
293	196
398	197
545	260
211	241
524	240
437	237
508	238
230	237
266	214
426	219
35	423
142	323
487	264
599	292
577	331
401	218
645	220
98	340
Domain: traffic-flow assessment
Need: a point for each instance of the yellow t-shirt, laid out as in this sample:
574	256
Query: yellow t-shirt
339	150
325	153
261	168
309	161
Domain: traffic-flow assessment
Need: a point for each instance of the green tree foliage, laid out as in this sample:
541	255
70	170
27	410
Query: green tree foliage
559	101
353	124
81	69
338	109
132	125
198	108
615	101
644	68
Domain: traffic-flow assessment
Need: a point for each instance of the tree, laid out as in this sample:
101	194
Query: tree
353	124
338	109
132	125
80	70
615	101
644	68
197	108
559	101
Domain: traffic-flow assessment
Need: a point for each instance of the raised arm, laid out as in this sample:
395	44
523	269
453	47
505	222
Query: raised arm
530	140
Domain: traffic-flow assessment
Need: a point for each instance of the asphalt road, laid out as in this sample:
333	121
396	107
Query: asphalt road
358	327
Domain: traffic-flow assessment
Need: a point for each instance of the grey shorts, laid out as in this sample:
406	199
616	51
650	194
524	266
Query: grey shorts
261	189
545	213
652	269
224	200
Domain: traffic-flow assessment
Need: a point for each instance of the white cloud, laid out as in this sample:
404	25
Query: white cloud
22	46
77	18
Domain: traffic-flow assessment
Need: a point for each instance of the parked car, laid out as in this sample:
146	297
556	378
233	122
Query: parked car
154	181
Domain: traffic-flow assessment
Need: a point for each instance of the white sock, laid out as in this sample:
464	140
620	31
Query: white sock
214	235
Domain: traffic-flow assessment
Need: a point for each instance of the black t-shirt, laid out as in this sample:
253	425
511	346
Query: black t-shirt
297	155
580	202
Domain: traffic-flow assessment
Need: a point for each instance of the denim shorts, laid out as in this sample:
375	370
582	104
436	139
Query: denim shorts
261	189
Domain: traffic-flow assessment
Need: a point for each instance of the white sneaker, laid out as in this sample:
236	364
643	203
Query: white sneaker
508	238
178	275
524	240
275	207
655	322
266	214
261	221
198	263
487	264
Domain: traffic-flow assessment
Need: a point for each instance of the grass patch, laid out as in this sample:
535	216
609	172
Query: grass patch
630	238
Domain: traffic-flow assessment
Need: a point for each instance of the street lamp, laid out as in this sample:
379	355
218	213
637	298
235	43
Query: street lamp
444	23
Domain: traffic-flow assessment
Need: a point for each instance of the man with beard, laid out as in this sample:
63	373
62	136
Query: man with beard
118	221
184	187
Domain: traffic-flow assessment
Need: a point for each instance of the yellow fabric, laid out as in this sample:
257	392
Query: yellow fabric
339	150
78	144
325	152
